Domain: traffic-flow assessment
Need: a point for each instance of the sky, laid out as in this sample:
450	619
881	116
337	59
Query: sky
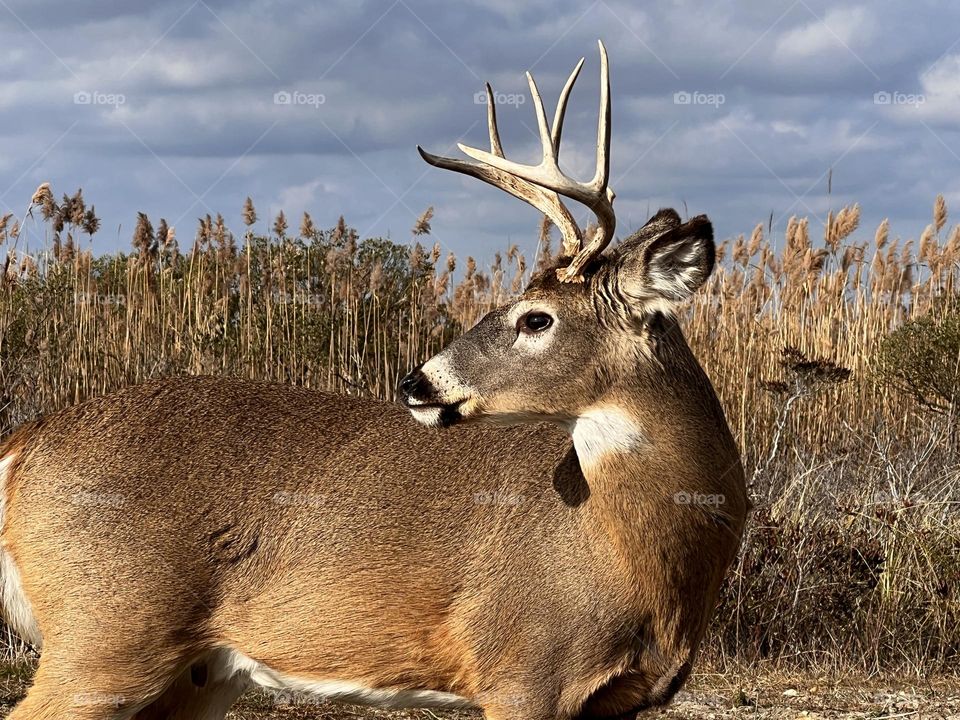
739	110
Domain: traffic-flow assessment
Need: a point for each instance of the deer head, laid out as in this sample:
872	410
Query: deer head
558	349
581	328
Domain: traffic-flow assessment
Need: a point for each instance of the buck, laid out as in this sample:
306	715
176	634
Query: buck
555	551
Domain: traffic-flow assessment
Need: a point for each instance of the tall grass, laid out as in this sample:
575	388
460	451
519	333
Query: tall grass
853	557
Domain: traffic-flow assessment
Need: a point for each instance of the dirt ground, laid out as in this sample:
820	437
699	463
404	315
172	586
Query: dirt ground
706	697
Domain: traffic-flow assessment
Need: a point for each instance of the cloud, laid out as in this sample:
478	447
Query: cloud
300	198
841	29
939	97
200	127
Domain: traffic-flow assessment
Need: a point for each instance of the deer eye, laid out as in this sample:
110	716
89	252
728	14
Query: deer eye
534	322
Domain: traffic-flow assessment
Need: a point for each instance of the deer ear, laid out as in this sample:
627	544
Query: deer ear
671	266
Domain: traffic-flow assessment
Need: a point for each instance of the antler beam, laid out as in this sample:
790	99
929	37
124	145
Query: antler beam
546	201
541	185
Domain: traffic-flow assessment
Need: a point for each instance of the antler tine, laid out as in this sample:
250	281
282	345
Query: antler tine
603	125
603	207
546	141
562	105
594	194
546	201
495	147
541	185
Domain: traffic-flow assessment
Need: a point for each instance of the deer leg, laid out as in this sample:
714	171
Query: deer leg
49	698
506	712
201	692
86	680
527	704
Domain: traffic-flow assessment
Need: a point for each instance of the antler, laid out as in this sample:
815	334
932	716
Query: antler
541	185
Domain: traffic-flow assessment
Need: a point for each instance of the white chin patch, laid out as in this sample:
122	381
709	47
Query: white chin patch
429	416
604	431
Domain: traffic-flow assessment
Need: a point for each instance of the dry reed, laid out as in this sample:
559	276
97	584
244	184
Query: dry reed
855	485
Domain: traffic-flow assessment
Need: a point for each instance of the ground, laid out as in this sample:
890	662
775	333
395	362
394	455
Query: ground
763	696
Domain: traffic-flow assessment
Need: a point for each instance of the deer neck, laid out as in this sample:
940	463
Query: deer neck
618	431
655	456
644	426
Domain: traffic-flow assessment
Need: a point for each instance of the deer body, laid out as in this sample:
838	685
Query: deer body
150	531
176	543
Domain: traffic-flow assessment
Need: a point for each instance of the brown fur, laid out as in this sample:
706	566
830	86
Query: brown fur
334	539
379	565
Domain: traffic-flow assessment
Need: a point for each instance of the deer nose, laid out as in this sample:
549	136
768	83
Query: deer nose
414	383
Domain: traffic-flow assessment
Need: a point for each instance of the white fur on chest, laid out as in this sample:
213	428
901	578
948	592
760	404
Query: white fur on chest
604	431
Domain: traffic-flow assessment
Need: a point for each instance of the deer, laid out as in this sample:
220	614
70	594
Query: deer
538	529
